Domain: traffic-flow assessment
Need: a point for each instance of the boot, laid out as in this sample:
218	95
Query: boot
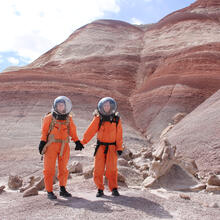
115	192
99	193
51	196
64	193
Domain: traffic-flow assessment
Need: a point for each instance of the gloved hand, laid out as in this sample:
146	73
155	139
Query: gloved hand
119	152
41	146
79	146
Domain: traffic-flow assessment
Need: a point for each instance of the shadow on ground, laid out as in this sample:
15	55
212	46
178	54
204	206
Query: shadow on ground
108	204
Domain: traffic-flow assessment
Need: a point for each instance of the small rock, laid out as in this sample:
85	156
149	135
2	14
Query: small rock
198	187
184	196
147	154
123	162
31	183
144	167
75	167
148	181
141	163
214	205
121	178
214	180
88	172
166	130
210	188
127	154
14	182
149	139
1	189
31	192
130	163
145	174
40	184
178	117
136	155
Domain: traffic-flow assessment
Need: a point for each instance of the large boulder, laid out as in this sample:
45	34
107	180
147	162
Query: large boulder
168	170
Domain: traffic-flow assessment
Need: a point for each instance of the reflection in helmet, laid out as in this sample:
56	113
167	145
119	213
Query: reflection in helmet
62	105
107	106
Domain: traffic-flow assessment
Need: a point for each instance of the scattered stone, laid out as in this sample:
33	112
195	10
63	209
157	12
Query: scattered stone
130	162
31	183
184	196
121	178
149	181
147	154
31	192
145	174
211	188
14	182
127	154
141	163
144	167
88	172
149	139
75	167
166	130
40	184
34	184
136	155
214	205
198	187
123	162
1	189
164	150
178	117
214	180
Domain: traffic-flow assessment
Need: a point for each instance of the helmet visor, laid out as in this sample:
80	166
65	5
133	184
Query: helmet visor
107	106
62	105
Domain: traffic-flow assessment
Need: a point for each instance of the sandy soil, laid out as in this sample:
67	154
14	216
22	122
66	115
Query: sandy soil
19	155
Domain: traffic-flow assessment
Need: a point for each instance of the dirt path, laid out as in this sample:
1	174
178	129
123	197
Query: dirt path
19	155
132	204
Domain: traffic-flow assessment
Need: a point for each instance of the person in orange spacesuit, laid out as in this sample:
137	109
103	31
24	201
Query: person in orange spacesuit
107	124
56	128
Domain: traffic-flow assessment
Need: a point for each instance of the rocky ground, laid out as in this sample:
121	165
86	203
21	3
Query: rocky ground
21	158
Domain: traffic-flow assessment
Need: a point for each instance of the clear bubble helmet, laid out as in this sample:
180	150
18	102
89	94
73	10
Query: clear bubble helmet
62	105
107	106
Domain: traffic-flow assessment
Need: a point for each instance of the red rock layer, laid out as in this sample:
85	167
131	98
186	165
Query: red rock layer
153	73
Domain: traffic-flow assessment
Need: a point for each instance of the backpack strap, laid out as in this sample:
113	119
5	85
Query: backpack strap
54	121
116	118
67	122
52	124
100	121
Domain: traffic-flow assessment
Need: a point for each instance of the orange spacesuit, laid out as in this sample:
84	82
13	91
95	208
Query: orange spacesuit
56	129
109	142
